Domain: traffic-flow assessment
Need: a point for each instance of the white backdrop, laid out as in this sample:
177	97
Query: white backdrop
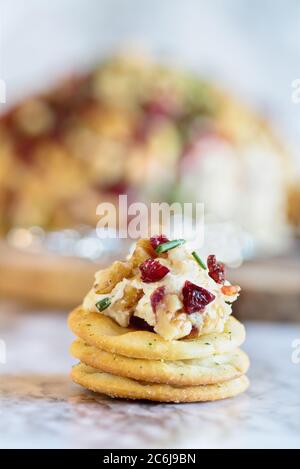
253	46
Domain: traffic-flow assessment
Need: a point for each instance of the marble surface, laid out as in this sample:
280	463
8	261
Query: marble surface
41	408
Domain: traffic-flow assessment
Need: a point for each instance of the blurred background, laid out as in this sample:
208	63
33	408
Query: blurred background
164	101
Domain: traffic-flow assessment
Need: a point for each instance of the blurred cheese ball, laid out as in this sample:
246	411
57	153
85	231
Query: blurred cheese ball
137	127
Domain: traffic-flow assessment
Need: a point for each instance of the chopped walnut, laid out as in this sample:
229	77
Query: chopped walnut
107	279
129	300
142	252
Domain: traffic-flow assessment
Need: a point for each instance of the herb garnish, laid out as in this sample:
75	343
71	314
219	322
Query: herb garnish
103	304
199	260
169	245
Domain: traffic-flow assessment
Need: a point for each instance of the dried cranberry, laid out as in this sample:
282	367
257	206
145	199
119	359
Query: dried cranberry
195	298
143	129
140	324
152	271
163	105
158	240
216	270
156	297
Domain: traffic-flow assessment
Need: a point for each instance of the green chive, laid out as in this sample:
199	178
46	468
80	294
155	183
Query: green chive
199	260
103	304
169	245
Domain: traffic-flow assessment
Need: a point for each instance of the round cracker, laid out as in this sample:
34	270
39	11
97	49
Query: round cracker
104	333
116	386
197	371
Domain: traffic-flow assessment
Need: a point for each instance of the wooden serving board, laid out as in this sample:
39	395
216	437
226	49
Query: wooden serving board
44	280
270	287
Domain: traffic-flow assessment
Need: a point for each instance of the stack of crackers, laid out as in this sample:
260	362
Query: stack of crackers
135	363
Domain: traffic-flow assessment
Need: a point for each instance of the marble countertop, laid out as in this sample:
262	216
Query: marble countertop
41	408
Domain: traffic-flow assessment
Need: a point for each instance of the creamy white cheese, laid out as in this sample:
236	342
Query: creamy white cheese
170	320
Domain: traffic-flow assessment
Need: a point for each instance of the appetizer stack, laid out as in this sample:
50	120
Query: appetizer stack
159	327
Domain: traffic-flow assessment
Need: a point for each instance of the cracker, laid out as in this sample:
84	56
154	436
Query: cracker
104	333
198	371
116	386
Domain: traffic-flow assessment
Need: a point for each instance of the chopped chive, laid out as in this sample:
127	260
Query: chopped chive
199	260
103	304
169	245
